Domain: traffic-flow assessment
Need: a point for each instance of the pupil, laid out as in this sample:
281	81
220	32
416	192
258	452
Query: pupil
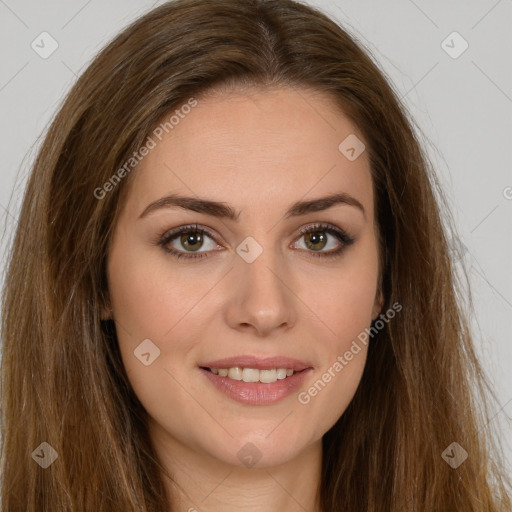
192	239
316	238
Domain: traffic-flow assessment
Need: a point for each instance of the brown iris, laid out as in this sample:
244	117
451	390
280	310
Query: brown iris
191	239
315	238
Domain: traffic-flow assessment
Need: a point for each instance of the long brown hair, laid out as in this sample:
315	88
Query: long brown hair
63	382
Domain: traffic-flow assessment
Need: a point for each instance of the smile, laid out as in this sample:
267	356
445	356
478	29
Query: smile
253	374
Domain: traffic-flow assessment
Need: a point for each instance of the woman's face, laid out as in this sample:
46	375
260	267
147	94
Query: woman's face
258	291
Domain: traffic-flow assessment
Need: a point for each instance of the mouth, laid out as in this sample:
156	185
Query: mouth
255	381
265	376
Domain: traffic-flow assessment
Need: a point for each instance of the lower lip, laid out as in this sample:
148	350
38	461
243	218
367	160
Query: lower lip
257	393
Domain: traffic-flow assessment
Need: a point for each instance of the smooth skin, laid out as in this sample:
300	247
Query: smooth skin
258	151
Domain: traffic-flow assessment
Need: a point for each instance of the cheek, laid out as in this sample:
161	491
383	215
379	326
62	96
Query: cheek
145	301
148	308
329	394
346	311
150	302
345	298
343	358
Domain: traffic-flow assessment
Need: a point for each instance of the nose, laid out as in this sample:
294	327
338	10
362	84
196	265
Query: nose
261	298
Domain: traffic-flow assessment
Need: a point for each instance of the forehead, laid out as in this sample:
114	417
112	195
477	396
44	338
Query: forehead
257	149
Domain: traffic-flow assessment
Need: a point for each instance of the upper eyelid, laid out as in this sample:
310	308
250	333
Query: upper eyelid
172	233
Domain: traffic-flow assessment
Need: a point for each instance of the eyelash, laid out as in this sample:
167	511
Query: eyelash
338	233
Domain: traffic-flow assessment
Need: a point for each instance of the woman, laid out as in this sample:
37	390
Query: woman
230	286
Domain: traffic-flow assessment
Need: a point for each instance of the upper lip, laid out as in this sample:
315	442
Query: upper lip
259	363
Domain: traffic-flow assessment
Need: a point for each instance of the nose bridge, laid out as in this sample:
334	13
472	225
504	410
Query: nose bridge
260	268
260	294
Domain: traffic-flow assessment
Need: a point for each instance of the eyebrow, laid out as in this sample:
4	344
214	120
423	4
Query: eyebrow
222	210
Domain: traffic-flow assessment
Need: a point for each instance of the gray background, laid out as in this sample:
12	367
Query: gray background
462	105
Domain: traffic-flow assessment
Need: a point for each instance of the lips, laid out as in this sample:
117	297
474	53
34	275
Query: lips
258	363
256	393
253	380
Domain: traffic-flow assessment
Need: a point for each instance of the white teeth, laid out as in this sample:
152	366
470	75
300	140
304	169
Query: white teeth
235	373
250	375
268	376
253	374
281	373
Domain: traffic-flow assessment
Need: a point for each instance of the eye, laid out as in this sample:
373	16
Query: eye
317	236
186	241
190	238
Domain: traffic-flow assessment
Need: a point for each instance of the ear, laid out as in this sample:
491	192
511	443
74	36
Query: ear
378	304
